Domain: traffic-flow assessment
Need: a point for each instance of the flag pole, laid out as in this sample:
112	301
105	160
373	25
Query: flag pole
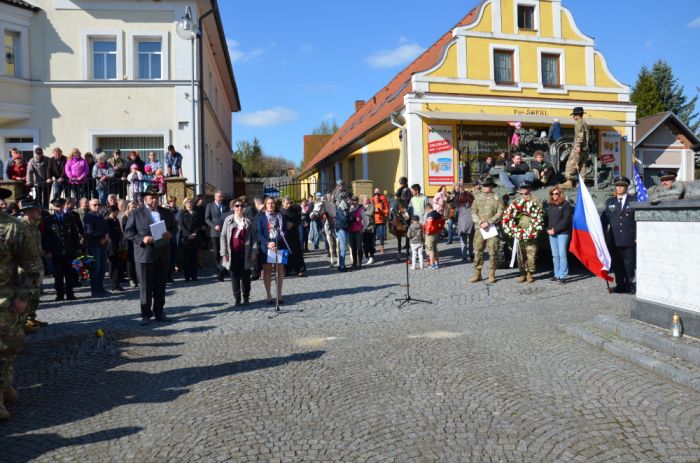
608	284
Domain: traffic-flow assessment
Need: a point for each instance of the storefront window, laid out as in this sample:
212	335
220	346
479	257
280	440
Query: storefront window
476	144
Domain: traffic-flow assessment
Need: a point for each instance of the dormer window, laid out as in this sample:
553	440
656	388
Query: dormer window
526	17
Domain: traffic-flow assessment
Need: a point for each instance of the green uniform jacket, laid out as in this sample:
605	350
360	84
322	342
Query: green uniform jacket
487	207
657	193
581	136
18	249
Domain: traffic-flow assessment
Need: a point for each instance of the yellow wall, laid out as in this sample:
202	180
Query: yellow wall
449	67
485	24
546	20
384	161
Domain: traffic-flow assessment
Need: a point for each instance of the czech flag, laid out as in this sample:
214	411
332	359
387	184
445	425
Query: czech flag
588	240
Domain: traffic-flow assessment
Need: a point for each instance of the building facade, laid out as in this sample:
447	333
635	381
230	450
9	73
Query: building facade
114	74
506	62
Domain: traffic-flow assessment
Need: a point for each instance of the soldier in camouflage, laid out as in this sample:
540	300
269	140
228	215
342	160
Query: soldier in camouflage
31	216
668	190
17	251
579	154
487	210
527	254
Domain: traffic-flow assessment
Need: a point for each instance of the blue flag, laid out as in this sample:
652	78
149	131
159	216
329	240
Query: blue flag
642	195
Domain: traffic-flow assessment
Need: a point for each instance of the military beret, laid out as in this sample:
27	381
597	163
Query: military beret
667	175
622	181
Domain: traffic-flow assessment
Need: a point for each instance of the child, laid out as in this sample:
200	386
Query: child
148	178
159	180
415	237
433	226
542	169
136	180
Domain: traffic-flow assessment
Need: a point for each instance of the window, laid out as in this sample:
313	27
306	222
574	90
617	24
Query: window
11	53
127	144
503	67
551	77
149	60
526	17
104	59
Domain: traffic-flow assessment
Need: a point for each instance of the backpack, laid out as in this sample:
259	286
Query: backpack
433	226
343	219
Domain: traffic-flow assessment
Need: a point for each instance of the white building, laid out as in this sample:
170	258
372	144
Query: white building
115	74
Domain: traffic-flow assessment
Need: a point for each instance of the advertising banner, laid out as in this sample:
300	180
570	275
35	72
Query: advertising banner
610	151
440	155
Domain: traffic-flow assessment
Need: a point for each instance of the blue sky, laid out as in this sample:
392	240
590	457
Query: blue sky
298	63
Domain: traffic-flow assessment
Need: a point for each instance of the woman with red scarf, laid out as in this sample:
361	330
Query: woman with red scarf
17	171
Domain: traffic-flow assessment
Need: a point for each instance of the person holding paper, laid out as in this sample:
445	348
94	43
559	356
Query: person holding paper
239	251
487	210
271	237
151	256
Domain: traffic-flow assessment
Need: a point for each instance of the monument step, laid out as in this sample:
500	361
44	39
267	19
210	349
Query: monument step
668	366
685	348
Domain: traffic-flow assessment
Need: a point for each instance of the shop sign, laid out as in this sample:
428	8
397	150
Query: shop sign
610	151
440	155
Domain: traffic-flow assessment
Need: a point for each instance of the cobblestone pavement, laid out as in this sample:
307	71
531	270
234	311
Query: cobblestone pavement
481	374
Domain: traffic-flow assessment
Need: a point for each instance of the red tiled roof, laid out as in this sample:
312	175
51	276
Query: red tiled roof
389	99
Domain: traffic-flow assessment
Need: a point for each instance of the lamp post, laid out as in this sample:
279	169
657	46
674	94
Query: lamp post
187	30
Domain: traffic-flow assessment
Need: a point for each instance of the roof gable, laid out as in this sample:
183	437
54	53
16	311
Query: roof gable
649	124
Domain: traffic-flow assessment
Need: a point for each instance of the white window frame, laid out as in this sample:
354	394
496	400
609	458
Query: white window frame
21	52
562	71
132	53
7	133
516	68
94	134
535	19
87	38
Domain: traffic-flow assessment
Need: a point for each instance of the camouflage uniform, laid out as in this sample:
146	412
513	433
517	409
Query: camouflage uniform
577	160
487	207
17	249
33	302
527	255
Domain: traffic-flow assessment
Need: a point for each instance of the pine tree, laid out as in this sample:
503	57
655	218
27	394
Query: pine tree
672	97
646	95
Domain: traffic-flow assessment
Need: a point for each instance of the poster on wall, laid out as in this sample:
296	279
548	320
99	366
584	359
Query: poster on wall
440	155
610	151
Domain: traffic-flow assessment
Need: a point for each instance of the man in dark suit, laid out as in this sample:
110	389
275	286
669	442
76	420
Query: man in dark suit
152	257
619	223
61	243
213	217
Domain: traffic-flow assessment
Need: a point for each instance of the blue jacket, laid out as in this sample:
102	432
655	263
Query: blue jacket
263	225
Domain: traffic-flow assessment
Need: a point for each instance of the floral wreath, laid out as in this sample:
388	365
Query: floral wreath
518	208
83	265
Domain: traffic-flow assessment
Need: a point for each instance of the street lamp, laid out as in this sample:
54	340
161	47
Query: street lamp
186	29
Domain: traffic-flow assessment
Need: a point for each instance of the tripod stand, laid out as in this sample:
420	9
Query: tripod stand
408	299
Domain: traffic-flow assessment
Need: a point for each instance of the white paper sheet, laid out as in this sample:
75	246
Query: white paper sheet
158	230
489	232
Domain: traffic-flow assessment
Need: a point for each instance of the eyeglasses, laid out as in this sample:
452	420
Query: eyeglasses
237	205
93	204
555	194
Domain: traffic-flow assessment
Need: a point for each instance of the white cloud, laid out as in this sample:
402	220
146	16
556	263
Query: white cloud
329	117
267	117
694	23
649	43
237	55
401	55
306	48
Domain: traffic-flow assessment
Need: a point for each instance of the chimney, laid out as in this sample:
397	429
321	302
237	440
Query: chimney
359	104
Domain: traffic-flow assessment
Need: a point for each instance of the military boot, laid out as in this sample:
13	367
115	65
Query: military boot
568	185
10	394
529	277
492	276
476	277
4	414
522	278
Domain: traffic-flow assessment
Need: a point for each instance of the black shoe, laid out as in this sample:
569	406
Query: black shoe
118	288
342	269
163	319
619	289
554	279
220	277
246	300
59	298
238	303
145	321
562	281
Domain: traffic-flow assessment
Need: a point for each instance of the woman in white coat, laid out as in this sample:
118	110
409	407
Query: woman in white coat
239	251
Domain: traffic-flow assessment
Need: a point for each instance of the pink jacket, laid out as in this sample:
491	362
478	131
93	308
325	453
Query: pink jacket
356	226
77	168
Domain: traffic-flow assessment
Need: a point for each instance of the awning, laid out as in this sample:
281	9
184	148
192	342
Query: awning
524	118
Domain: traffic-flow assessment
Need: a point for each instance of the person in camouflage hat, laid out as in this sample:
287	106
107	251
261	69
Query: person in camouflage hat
579	153
18	250
487	210
528	248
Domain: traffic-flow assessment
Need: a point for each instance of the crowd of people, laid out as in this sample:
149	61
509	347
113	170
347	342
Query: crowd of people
90	175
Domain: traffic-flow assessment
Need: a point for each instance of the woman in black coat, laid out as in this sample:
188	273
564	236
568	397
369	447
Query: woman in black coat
189	224
117	249
559	215
291	214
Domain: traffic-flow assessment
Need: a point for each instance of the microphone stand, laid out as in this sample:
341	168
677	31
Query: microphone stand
408	299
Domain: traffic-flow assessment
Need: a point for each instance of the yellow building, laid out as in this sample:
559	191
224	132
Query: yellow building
505	62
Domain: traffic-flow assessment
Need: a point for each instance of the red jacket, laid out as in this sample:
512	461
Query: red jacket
17	172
